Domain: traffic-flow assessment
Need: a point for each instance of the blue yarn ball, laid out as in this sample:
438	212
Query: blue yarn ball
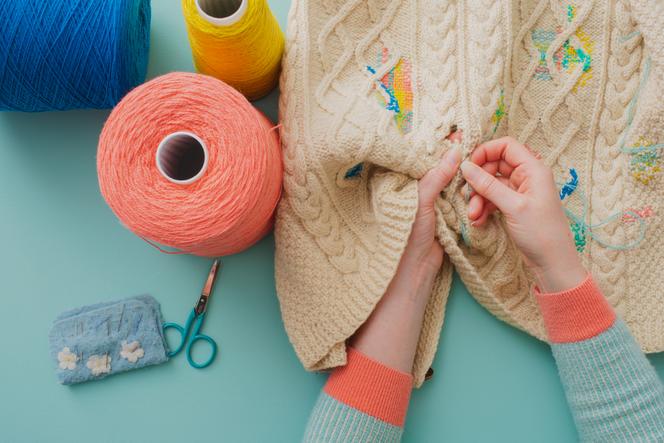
71	54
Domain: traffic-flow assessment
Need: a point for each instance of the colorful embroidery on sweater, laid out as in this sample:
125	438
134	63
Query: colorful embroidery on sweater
579	231
542	40
645	165
395	90
570	186
497	116
575	51
632	214
355	171
584	231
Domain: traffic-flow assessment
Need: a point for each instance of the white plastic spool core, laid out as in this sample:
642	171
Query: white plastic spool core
222	12
182	157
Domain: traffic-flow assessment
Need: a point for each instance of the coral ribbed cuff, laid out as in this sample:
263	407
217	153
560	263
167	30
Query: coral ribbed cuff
372	388
577	314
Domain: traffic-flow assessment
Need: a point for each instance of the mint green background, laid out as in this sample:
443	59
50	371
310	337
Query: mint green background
62	247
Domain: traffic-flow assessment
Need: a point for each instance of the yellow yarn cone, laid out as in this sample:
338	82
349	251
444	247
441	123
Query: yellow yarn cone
237	41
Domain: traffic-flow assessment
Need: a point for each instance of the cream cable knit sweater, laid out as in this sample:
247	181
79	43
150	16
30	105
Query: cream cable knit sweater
370	90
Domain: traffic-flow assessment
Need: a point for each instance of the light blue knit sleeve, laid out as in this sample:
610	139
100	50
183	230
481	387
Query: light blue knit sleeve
332	421
363	401
613	391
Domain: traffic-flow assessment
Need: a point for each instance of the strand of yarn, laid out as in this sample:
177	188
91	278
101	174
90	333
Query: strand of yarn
220	208
64	54
631	112
582	229
465	235
243	49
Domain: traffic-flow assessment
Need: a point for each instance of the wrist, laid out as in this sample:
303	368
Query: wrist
412	283
560	274
392	332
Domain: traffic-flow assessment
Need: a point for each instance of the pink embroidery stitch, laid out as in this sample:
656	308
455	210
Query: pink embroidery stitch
645	212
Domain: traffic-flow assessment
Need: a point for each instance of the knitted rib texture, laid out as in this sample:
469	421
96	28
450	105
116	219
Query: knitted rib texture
354	384
612	389
333	421
577	314
370	90
362	401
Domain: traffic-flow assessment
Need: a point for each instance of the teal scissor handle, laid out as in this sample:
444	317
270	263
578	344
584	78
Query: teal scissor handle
197	321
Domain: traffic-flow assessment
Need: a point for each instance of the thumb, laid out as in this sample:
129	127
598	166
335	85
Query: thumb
434	181
490	187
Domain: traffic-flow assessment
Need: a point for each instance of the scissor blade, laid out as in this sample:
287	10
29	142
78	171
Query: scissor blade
201	306
212	276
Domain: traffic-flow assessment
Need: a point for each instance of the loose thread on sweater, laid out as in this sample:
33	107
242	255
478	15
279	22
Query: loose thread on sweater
583	231
645	157
463	227
630	35
465	234
631	109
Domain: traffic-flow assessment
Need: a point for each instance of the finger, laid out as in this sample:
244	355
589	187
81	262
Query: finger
490	187
491	167
498	167
517	177
506	181
475	207
479	208
507	149
434	181
537	155
455	136
489	209
467	191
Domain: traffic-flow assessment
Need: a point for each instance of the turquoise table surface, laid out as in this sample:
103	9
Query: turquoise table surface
61	247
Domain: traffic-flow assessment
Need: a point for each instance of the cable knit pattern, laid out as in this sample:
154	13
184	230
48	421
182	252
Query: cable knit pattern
577	81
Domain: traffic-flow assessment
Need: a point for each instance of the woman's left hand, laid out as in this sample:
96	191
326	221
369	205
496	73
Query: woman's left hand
391	333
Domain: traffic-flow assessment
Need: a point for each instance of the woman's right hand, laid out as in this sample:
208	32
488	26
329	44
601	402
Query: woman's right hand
505	175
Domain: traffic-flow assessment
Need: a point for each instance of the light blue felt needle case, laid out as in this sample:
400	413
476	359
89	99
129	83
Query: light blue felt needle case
95	341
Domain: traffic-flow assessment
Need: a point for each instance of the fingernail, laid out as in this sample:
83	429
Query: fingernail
453	157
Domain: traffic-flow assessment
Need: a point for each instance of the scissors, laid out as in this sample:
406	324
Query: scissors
195	320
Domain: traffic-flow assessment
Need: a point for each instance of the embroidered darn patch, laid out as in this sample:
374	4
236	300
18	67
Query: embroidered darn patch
645	165
575	51
634	214
395	90
355	171
584	232
570	185
579	231
500	112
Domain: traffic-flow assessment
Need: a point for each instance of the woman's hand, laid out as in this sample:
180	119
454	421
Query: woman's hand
505	175
392	332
